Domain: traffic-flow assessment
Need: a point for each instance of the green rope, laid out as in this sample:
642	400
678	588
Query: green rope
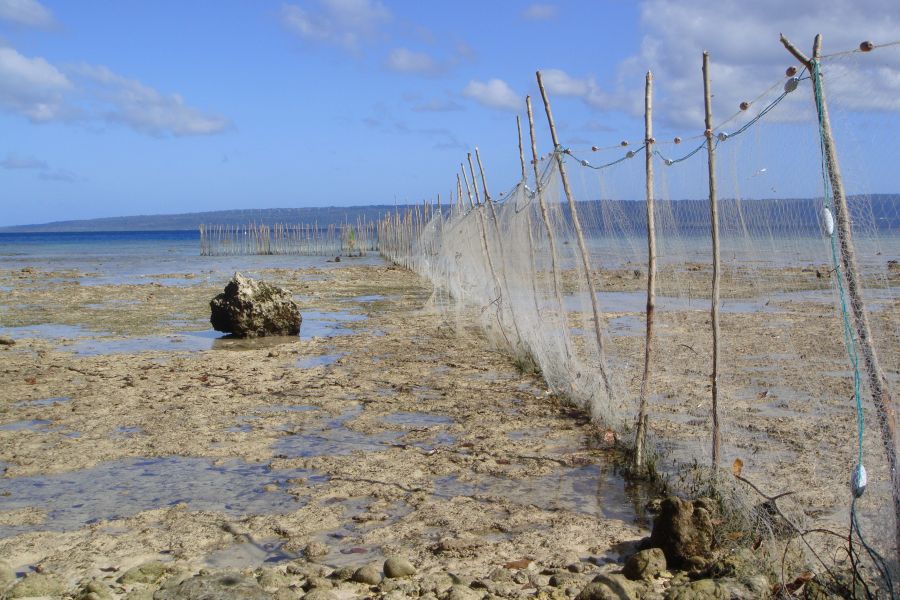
849	338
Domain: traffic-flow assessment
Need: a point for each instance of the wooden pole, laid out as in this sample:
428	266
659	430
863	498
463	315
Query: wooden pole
545	216
582	246
474	181
466	181
878	385
641	433
521	150
714	226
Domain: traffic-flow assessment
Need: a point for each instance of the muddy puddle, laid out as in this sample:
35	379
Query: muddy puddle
32	424
122	488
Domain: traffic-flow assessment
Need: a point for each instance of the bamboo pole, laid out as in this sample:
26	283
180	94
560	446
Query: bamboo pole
582	245
714	226
641	433
878	385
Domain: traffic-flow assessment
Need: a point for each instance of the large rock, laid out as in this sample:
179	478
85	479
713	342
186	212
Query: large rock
684	531
645	565
250	308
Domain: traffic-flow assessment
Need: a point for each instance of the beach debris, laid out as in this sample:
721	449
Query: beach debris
5	341
250	308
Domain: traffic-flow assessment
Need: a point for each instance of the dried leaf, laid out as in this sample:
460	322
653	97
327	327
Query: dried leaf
737	466
30	380
522	563
735	535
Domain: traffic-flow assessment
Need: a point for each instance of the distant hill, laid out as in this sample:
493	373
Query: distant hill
692	216
324	216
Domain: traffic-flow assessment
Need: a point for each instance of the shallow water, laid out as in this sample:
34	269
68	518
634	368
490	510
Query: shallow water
126	487
43	402
310	362
332	437
592	489
34	424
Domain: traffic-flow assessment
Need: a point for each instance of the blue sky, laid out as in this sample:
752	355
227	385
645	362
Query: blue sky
119	108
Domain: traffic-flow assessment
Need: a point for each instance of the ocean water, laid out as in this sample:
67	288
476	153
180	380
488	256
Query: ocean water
133	257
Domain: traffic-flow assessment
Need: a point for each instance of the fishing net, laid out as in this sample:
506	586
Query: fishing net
566	293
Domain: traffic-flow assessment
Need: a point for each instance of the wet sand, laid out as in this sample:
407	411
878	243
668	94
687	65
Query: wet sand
129	434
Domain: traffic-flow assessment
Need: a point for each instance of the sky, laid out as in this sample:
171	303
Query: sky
126	108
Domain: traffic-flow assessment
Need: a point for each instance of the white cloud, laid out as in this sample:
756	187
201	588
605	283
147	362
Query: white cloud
345	23
26	12
559	82
540	12
31	87
16	162
495	93
747	57
40	92
61	175
407	61
127	101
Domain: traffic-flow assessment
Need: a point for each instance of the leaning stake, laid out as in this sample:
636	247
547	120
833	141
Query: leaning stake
582	246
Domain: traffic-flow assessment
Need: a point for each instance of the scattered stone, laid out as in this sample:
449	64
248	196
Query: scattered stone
221	586
461	592
342	574
684	531
94	590
271	580
397	566
367	574
37	584
447	545
702	589
610	587
5	341
317	582
250	308
150	572
645	565
319	594
436	583
564	580
315	549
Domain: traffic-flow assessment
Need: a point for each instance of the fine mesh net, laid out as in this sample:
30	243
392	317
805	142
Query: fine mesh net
795	398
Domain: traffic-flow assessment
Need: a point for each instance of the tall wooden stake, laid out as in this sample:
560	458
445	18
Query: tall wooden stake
466	181
545	216
521	150
641	433
881	393
474	181
714	225
582	246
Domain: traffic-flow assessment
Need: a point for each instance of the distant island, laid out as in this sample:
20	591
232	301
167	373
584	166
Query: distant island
879	211
324	216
